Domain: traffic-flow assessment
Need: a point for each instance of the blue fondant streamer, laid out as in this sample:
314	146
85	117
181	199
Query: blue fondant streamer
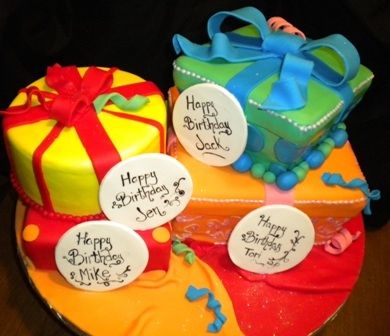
194	294
337	179
298	65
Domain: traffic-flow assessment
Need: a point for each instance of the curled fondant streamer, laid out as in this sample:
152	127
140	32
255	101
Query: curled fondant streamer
181	248
290	55
195	294
337	180
278	23
340	241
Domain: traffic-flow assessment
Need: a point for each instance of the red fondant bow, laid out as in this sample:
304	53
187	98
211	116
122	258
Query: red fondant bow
76	93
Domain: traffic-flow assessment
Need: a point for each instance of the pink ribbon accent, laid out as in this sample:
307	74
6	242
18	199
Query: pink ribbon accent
340	241
278	23
273	195
171	142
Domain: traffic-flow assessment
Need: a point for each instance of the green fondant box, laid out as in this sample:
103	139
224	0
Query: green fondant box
295	92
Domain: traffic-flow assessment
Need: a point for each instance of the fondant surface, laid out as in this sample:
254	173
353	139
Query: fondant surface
146	306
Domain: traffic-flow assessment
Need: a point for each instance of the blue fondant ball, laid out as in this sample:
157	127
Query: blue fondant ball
339	137
286	151
243	164
287	180
315	159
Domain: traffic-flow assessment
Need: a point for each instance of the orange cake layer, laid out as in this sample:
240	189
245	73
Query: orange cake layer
223	196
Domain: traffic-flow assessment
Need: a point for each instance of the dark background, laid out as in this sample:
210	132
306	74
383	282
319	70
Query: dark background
135	36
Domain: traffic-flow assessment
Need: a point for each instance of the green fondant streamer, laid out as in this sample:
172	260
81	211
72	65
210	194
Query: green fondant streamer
133	104
181	248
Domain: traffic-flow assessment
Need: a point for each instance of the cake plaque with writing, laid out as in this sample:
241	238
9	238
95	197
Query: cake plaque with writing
145	191
210	124
271	239
101	255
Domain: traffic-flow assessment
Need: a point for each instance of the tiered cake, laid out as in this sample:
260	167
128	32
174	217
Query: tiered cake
261	237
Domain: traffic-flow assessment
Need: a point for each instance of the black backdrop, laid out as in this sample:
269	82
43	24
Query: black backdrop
136	36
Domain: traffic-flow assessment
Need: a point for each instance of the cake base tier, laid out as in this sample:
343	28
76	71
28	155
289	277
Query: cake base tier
297	302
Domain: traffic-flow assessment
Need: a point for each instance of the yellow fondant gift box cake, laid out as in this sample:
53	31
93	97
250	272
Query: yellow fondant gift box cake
189	243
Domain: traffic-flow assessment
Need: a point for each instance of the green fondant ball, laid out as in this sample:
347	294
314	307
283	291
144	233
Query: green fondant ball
258	170
325	148
269	177
304	165
342	126
300	172
330	142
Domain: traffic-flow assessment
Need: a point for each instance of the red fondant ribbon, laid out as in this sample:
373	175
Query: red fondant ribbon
72	106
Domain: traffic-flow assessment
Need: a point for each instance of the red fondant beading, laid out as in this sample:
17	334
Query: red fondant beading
45	212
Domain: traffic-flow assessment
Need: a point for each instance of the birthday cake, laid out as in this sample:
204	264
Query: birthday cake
116	215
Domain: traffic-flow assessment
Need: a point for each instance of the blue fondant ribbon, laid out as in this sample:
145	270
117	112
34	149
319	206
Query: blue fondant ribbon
337	179
292	55
194	294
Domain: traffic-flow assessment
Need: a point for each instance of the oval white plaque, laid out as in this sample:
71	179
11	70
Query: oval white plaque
145	191
101	255
271	239
210	124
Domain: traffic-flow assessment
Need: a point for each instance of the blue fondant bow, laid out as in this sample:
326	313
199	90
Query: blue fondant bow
290	54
